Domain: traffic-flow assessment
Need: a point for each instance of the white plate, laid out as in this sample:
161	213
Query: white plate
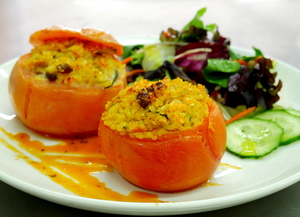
256	179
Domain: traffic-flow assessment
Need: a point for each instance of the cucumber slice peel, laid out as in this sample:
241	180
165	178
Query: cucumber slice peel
293	112
253	138
289	122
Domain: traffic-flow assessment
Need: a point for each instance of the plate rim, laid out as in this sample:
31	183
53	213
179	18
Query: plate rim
140	208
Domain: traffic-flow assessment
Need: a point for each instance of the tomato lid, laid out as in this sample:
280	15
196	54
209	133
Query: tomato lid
86	34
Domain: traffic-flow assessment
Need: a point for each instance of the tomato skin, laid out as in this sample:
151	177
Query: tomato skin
85	34
57	109
174	162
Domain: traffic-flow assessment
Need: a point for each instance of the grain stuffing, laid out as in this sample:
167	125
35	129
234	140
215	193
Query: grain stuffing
151	109
75	62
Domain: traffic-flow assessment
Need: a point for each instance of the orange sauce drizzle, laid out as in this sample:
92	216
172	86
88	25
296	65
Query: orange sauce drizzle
207	184
230	166
71	163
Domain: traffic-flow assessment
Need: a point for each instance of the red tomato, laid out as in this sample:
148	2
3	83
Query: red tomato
58	109
85	34
174	162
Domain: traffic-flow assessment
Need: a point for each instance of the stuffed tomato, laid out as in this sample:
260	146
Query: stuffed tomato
164	136
62	86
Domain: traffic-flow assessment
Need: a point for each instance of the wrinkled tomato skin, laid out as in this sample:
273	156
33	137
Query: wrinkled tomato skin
57	109
175	162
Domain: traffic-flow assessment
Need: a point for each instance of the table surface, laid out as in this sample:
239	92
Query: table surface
270	25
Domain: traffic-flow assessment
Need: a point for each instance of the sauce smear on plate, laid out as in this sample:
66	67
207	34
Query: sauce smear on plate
73	164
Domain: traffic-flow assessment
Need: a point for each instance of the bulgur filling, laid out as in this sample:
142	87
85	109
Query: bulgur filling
75	62
151	109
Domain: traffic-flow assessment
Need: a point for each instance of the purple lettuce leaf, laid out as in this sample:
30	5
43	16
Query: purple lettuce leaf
193	57
252	88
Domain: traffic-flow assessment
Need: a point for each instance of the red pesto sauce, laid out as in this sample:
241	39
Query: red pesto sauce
78	159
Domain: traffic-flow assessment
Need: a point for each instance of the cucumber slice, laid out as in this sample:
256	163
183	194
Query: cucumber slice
253	138
293	112
290	124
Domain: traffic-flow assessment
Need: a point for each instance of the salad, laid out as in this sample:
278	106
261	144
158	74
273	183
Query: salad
200	54
243	86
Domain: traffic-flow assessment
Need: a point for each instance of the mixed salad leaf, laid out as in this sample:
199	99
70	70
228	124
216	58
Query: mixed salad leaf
200	54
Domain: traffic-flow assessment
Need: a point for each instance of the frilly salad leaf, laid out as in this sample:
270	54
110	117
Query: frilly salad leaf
196	21
167	69
218	71
136	52
193	57
155	55
150	56
257	54
252	87
194	31
231	79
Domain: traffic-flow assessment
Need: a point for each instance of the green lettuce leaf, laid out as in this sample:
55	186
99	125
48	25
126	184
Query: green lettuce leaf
218	71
